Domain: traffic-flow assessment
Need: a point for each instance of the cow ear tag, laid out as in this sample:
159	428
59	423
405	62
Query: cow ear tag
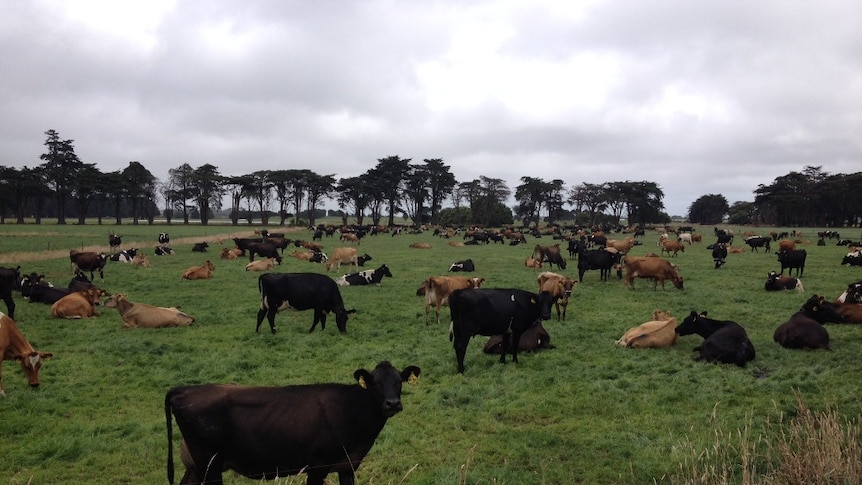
362	383
413	379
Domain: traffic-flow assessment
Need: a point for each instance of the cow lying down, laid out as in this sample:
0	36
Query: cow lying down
533	339
659	332
724	341
141	315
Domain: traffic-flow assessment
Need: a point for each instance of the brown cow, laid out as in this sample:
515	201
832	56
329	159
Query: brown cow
141	315
852	312
438	288
13	346
622	246
786	245
533	339
656	268
228	253
420	245
261	265
660	332
80	304
531	262
350	238
88	261
559	286
141	261
202	272
341	255
735	250
668	246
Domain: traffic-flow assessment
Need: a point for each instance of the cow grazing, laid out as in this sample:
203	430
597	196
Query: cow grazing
550	255
261	265
724	341
506	312
202	272
13	346
114	241
777	282
660	332
559	286
656	268
367	277
200	247
600	259
719	255
163	251
124	256
755	242
533	339
672	247
804	329
88	261
141	315
437	289
341	255
10	279
301	291
792	259
80	304
269	432
465	265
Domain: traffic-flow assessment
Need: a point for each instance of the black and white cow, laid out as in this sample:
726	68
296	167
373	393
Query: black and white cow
124	256
163	251
367	277
853	258
777	282
114	240
853	293
495	311
269	432
37	290
301	291
466	265
724	341
164	239
719	254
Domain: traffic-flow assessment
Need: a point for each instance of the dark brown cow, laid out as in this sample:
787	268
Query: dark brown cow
533	339
13	346
268	432
804	329
88	261
550	255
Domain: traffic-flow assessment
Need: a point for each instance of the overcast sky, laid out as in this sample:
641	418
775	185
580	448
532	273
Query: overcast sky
701	97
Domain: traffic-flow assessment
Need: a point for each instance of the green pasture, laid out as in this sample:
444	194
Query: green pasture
586	412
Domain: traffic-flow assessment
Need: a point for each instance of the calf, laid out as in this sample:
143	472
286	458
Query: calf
465	265
724	341
648	267
268	432
776	282
80	304
659	332
163	251
231	253
141	261
141	315
533	339
261	265
13	346
507	312
367	277
559	286
792	259
438	288
300	291
202	272
200	247
804	329
88	261
530	262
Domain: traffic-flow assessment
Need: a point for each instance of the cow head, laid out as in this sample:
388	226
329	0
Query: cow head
545	301
341	317
691	324
31	363
385	384
821	310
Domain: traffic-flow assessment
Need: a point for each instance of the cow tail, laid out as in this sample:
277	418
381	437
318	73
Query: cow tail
169	421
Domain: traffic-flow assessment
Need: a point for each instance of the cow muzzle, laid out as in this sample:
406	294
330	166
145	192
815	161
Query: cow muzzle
391	407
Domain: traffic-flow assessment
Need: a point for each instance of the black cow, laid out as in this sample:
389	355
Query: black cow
243	242
853	293
164	239
124	256
367	277
719	254
279	242
495	311
301	291
466	265
10	279
724	239
853	259
550	255
43	292
777	282
115	240
265	233
792	258
724	341
361	260
163	251
200	247
758	242
264	250
600	259
269	432
80	282
88	261
804	329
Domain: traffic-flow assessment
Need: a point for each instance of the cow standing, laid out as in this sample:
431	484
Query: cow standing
114	241
301	291
495	311
10	279
724	341
88	261
719	255
269	432
792	259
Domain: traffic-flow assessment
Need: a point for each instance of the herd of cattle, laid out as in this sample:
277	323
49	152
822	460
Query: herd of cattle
265	432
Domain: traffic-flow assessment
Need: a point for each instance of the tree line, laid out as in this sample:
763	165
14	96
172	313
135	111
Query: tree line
63	186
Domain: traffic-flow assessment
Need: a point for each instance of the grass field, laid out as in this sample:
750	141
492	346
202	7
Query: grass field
586	412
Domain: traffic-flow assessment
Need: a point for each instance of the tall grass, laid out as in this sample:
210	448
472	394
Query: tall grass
587	412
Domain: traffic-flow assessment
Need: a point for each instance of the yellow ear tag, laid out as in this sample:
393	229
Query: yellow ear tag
362	383
413	379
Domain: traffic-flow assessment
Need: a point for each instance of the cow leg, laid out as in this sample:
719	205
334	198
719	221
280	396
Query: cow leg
10	305
515	343
507	346
461	351
344	478
319	316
